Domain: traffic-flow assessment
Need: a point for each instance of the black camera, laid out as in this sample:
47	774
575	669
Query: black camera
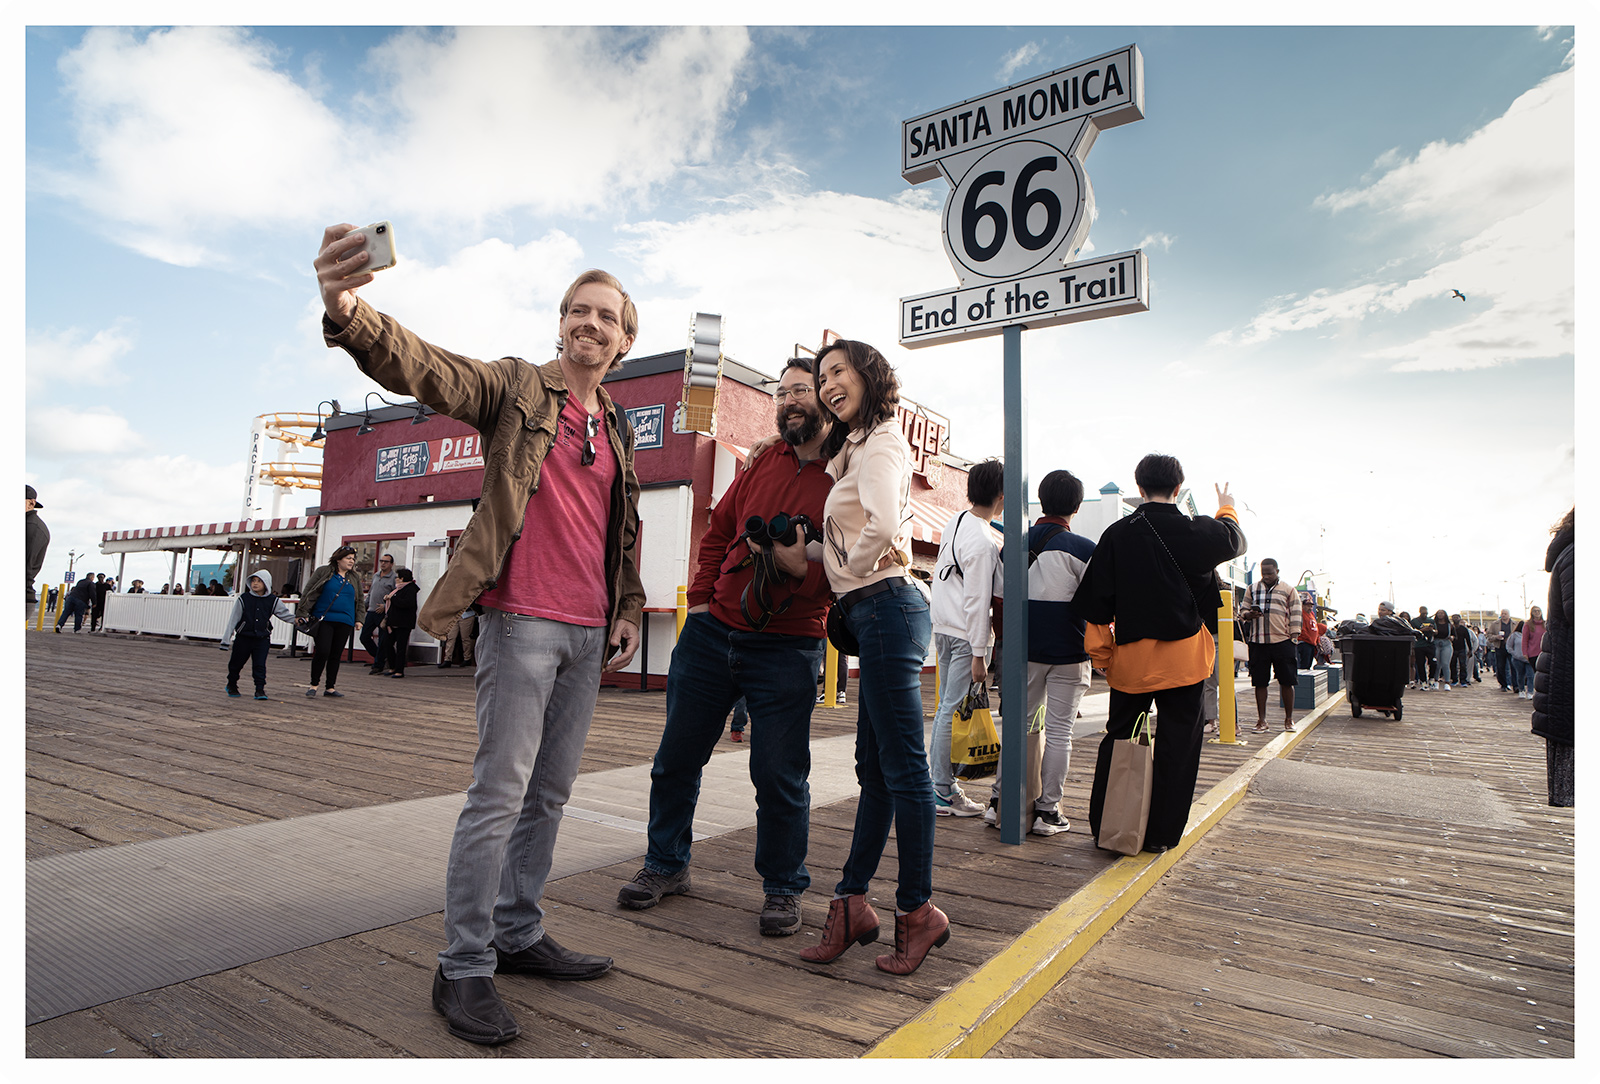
781	528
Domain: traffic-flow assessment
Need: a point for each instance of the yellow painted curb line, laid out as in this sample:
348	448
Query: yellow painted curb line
977	1013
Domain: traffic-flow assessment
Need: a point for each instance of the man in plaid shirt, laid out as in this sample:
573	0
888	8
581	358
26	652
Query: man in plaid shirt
1275	612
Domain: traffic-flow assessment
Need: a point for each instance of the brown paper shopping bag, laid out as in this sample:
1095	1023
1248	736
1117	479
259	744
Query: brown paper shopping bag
1035	758
1127	808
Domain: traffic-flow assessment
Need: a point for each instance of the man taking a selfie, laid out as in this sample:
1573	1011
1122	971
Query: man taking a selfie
550	554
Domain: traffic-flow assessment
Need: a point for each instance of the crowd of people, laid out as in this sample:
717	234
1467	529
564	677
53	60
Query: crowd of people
808	544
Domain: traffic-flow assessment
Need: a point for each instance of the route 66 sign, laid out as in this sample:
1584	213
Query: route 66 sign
1020	201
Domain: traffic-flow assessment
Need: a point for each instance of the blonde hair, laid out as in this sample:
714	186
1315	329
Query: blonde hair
630	314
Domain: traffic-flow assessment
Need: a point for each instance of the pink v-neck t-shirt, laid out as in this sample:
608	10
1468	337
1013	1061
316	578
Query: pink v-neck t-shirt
557	569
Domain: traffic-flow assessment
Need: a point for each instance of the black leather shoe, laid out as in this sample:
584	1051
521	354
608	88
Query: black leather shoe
472	1009
548	960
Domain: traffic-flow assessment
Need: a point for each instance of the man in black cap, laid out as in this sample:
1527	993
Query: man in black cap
38	541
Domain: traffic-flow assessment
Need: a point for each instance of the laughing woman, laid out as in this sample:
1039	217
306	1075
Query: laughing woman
866	550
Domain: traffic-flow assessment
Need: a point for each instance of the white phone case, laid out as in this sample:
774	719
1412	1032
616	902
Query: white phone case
380	246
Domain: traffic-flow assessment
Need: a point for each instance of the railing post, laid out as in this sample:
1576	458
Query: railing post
830	675
1227	716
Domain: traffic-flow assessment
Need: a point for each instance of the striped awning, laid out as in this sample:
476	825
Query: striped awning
206	535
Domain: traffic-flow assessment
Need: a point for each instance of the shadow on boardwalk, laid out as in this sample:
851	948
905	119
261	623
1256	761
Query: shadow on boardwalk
126	742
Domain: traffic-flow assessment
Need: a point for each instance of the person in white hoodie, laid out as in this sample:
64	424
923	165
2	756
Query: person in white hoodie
249	630
965	578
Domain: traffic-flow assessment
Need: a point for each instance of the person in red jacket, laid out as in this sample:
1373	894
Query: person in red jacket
754	631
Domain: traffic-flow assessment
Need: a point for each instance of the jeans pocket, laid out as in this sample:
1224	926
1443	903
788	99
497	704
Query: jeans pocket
919	625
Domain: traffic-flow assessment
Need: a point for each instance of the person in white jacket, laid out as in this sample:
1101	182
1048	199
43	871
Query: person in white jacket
249	630
965	578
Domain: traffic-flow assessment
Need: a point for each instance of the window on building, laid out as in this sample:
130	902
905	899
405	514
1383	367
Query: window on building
369	550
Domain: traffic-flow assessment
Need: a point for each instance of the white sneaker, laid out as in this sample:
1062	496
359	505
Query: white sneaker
1446	686
1048	823
992	813
957	805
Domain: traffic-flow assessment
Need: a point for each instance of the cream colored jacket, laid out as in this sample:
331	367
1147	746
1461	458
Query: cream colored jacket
865	536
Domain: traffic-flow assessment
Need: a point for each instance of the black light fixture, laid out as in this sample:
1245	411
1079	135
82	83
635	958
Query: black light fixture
319	433
366	426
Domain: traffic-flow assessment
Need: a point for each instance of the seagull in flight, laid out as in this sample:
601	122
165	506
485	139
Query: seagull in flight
1458	293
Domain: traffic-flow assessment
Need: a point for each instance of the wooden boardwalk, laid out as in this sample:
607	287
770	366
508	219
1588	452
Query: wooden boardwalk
1299	930
132	739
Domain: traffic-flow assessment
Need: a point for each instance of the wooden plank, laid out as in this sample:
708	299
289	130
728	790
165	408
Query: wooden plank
229	1015
195	814
80	1035
669	1022
94	817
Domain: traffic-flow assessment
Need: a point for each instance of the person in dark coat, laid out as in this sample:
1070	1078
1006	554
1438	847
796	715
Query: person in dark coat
38	539
102	588
79	599
1553	686
394	640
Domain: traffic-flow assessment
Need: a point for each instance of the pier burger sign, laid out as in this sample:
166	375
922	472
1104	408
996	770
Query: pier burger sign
1020	203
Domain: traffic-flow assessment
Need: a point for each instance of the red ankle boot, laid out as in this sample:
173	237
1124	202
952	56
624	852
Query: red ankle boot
851	920
914	934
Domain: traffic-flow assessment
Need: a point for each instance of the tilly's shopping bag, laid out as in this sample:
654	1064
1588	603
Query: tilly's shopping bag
1127	809
974	741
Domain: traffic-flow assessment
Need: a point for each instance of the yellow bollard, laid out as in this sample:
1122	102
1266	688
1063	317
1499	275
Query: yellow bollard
1227	720
683	608
830	675
44	597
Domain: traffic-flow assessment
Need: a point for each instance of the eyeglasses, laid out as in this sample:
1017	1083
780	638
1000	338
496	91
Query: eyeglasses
593	427
796	393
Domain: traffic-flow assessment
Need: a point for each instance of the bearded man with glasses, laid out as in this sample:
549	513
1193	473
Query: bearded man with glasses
550	553
733	645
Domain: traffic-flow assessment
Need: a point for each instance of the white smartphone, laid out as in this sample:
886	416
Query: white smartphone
379	247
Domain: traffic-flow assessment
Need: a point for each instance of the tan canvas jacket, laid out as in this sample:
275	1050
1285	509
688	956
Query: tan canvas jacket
514	404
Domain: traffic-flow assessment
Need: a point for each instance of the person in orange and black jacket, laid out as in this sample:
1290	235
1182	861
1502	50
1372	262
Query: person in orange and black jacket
1147	575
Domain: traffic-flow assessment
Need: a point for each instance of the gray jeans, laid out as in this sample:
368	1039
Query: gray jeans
1056	689
955	671
537	683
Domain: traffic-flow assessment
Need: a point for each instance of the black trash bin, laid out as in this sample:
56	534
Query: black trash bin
1375	671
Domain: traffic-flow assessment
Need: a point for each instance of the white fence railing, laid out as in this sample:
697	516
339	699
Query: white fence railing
202	617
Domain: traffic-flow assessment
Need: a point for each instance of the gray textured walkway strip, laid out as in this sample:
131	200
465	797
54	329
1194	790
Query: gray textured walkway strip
1422	798
115	921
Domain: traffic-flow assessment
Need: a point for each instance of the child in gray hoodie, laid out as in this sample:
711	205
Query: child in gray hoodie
249	630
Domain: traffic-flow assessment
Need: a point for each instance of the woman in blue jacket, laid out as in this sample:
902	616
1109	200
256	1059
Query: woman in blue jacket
334	602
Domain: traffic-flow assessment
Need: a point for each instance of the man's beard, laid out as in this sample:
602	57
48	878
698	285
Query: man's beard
803	432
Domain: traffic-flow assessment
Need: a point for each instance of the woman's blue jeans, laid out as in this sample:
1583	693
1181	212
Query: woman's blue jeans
894	630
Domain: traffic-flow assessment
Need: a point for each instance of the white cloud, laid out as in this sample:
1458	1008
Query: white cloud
1499	205
74	358
1504	167
1016	60
193	131
1151	241
64	433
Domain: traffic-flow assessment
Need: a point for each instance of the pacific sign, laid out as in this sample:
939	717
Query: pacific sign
1020	202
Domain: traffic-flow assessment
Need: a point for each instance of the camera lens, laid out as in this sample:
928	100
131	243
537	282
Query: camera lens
383	229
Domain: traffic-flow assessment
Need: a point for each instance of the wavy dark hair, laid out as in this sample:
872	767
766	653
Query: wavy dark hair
881	386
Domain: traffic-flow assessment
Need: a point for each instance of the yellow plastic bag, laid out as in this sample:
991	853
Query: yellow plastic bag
974	741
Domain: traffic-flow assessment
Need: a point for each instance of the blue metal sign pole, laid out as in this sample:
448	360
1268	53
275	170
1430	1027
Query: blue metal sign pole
1015	821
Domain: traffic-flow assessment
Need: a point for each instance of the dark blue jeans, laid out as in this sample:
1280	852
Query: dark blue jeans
714	665
894	630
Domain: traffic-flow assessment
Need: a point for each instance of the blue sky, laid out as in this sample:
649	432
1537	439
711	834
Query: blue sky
1307	199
